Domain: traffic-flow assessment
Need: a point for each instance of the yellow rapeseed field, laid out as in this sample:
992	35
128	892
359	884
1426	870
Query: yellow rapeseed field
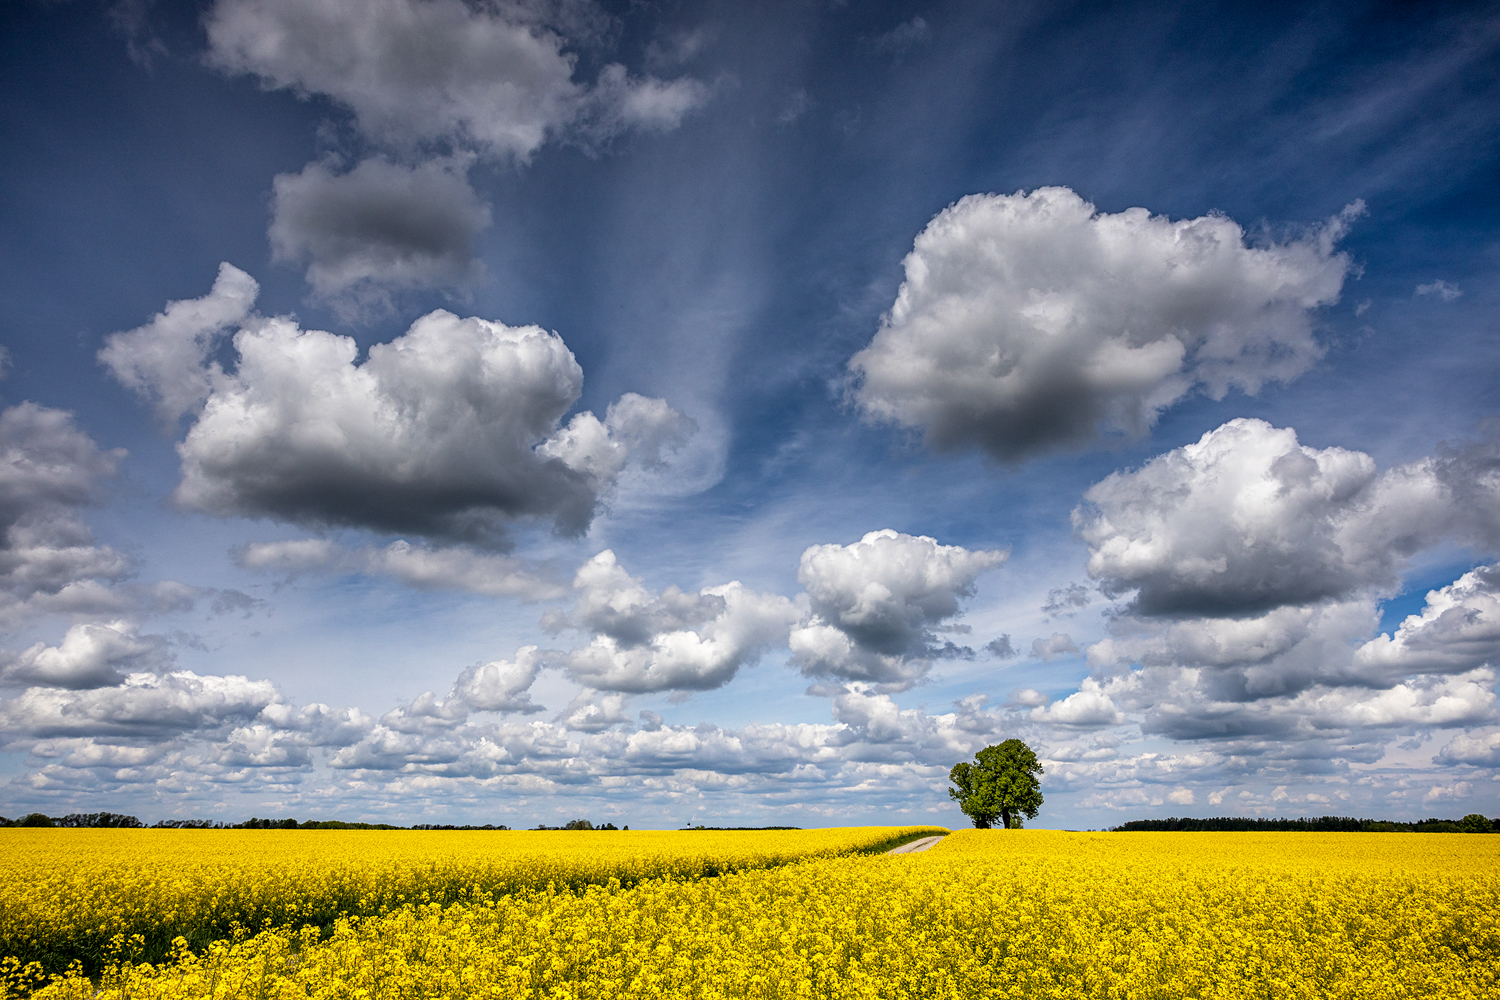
68	894
1024	914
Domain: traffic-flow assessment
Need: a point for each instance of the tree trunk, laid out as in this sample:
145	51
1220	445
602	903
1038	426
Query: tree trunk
1005	816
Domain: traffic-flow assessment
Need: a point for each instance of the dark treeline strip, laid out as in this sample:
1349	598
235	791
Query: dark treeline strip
572	824
1472	823
741	828
104	820
117	821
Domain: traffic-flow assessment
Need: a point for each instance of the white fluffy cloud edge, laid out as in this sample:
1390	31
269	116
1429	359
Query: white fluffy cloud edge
1033	322
453	431
1241	666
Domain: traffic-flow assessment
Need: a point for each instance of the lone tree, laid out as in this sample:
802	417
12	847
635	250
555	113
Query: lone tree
1000	784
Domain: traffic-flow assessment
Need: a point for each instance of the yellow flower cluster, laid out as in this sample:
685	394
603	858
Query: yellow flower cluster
1011	914
85	894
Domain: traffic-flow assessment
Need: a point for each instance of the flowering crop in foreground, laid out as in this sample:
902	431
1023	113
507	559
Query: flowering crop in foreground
67	895
1023	914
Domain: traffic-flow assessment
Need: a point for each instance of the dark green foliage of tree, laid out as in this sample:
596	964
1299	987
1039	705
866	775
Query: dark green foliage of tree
1475	823
1000	784
255	823
100	821
106	820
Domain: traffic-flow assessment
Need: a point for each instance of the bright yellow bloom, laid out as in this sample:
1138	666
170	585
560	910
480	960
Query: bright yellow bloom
1018	914
87	894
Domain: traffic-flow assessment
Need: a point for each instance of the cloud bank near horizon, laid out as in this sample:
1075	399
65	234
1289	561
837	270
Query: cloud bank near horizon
1253	683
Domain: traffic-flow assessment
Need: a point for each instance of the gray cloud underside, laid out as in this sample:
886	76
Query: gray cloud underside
378	226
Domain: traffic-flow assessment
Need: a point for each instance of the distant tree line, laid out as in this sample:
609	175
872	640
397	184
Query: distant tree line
742	828
100	819
117	820
107	820
1472	823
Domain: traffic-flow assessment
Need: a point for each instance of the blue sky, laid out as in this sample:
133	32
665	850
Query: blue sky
429	411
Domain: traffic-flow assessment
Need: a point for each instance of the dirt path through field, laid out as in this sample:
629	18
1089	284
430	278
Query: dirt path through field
915	846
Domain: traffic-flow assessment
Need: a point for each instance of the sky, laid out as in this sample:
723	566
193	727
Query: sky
511	411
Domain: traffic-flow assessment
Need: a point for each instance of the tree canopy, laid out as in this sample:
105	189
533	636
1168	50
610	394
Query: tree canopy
1000	784
1477	823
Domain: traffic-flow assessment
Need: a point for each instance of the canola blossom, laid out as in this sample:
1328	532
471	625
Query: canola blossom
70	894
1015	914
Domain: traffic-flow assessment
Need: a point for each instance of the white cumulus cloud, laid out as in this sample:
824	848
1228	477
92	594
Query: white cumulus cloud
1090	707
1478	748
595	711
92	655
667	641
1188	704
877	602
168	362
1031	321
47	463
450	431
435	83
1281	651
1458	629
147	706
1258	566
498	686
1247	519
